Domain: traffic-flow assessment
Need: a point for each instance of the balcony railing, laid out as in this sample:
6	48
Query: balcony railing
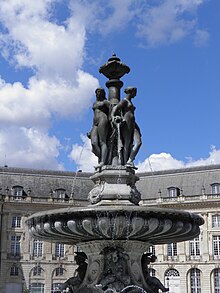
182	199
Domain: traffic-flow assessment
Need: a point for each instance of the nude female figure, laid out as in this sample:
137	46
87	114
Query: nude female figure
130	132
100	129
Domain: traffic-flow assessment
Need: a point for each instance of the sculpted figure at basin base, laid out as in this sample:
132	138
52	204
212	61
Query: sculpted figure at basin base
73	284
154	283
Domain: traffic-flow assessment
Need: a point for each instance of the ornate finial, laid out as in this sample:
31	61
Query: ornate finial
114	58
114	68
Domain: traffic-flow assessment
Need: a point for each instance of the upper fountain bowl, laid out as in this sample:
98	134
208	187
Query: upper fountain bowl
151	225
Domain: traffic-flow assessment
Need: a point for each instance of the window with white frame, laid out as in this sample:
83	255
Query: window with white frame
16	222
15	245
151	249
37	248
194	247
173	192
216	246
37	288
216	221
59	250
14	271
215	188
195	281
17	192
172	249
216	275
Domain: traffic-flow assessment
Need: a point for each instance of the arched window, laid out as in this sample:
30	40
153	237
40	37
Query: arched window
36	288
59	271
37	271
216	274
195	281
172	280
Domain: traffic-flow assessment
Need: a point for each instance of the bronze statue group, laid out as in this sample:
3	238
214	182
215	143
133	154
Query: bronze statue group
115	135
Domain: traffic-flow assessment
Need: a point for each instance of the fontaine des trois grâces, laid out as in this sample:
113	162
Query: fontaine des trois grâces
114	231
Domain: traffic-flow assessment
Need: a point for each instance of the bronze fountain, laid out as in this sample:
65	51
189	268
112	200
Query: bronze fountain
114	232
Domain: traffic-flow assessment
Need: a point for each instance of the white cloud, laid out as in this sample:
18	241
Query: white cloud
29	147
82	155
156	22
58	87
168	22
86	160
201	38
165	161
36	104
213	158
105	16
156	162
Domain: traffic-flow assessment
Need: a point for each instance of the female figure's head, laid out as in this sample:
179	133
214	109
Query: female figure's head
131	91
100	94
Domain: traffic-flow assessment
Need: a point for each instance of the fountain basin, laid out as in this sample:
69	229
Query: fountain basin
146	224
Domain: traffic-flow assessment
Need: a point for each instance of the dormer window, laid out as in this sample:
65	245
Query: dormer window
17	192
215	188
60	194
173	192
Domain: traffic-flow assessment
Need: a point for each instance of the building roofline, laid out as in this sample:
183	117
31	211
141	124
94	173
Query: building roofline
181	170
16	170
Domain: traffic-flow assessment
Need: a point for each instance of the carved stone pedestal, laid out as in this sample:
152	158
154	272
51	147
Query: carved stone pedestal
114	183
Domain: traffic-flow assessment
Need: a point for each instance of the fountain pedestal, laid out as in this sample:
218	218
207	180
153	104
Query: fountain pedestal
114	183
114	264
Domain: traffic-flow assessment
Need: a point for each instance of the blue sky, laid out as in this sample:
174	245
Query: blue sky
50	55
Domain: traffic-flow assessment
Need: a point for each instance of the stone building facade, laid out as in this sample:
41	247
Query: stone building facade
30	265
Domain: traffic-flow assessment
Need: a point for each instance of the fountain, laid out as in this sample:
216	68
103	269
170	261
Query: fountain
114	232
